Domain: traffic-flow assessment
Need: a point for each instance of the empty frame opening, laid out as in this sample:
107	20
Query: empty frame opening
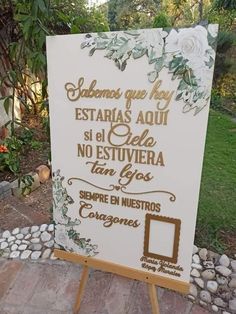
162	237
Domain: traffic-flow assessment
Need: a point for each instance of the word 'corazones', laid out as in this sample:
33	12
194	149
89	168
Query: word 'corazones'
108	220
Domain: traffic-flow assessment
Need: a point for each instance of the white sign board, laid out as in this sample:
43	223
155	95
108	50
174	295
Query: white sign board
128	116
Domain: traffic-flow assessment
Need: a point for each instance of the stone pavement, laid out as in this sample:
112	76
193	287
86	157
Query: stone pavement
50	287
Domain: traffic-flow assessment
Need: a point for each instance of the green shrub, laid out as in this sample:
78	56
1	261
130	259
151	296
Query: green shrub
223	63
225	4
161	20
225	41
216	100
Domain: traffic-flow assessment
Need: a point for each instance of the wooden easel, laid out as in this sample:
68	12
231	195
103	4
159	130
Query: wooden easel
151	280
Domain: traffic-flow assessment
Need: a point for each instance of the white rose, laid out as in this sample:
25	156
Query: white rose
153	39
171	45
191	43
201	71
213	30
60	235
204	76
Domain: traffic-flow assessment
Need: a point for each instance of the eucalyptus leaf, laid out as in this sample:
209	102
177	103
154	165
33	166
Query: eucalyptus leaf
152	56
180	70
101	44
117	63
123	65
112	46
210	63
83	45
109	54
179	96
112	42
173	77
91	52
159	64
175	62
103	35
189	77
200	95
152	76
132	32
182	85
122	50
199	108
138	53
187	107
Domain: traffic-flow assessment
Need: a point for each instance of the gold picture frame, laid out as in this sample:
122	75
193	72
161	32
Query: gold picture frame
164	219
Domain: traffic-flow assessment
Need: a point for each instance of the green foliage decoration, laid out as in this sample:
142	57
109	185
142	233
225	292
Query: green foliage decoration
64	223
165	48
82	243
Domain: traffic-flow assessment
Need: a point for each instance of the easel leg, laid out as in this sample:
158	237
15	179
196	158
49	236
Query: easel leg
153	298
83	281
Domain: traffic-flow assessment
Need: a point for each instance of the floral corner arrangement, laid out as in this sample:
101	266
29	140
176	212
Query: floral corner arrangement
187	53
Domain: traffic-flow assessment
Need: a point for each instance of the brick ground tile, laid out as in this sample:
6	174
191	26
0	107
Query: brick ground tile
172	302
160	292
2	262
96	293
52	278
32	310
8	272
25	284
139	301
10	309
116	300
67	293
50	287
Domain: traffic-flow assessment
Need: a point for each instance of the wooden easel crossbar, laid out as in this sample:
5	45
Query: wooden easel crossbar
150	279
